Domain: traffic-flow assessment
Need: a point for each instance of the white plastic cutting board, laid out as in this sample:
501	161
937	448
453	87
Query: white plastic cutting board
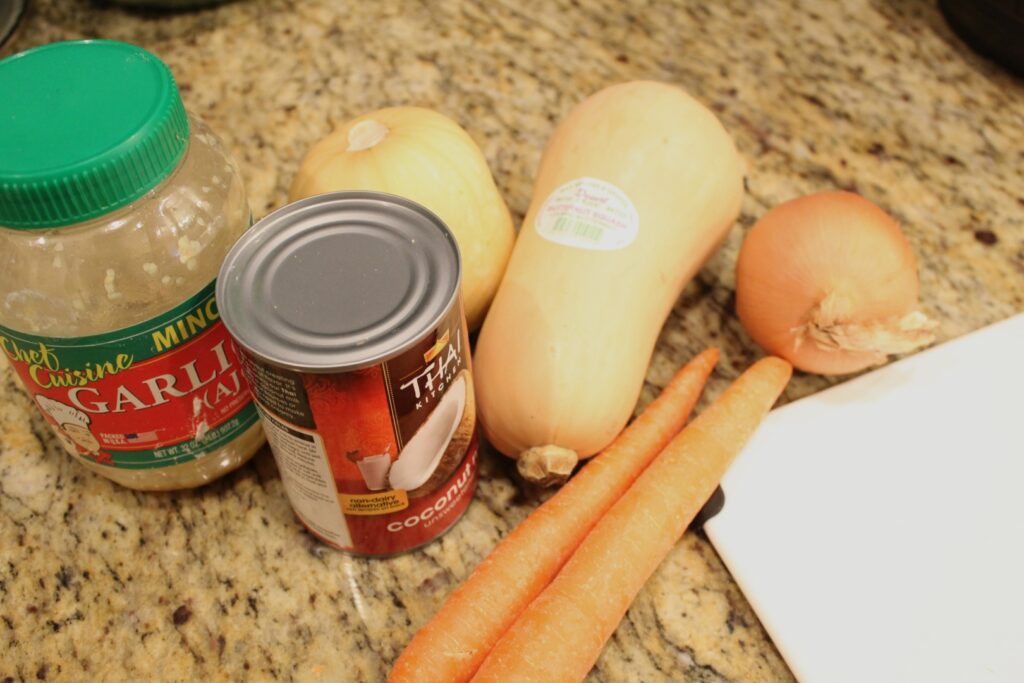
877	527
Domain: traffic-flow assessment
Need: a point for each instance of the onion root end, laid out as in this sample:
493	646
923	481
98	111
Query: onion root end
827	328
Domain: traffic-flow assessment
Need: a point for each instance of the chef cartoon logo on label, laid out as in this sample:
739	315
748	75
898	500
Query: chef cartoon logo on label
72	426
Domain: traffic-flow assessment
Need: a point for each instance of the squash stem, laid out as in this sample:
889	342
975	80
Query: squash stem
366	134
547	465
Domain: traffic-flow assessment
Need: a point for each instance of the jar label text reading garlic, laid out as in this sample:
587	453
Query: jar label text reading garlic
158	393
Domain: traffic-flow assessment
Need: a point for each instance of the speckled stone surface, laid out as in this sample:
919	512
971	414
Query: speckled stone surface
101	583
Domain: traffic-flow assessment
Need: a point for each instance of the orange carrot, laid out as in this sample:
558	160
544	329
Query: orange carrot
454	643
560	635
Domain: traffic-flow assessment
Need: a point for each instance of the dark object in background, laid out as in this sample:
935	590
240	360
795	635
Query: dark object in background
10	13
995	28
166	4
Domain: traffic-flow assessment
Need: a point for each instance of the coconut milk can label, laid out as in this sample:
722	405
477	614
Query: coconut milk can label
381	459
159	393
589	214
431	395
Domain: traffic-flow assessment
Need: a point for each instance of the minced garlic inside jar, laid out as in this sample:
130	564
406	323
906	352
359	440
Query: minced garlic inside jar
115	215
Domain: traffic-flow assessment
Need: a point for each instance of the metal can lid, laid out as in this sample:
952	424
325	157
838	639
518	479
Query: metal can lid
338	281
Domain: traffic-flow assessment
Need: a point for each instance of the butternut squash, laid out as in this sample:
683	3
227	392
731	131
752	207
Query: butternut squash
428	158
636	188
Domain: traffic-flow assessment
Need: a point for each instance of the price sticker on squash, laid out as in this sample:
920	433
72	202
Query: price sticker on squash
589	214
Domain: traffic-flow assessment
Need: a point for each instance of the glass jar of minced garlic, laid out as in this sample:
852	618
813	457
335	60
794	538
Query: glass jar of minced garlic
116	209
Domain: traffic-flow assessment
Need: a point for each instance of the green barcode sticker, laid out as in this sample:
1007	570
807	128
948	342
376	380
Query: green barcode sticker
577	228
590	214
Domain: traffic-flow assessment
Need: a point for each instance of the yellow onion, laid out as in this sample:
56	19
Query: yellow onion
829	282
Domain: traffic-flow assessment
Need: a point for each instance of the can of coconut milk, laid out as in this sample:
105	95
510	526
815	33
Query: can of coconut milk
348	319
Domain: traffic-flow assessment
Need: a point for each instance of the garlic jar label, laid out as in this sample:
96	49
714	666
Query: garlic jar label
160	393
589	214
381	459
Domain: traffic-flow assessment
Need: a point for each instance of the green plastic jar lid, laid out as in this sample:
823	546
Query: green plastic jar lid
87	127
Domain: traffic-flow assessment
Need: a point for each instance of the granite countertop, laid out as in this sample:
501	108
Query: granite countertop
99	583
